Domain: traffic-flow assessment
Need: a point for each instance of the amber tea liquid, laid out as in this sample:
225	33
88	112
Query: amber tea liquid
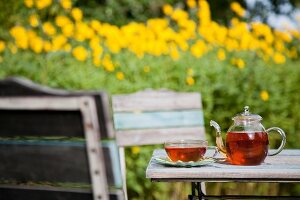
185	153
247	148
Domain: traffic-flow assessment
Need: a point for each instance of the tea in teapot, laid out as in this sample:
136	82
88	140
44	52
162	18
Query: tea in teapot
247	140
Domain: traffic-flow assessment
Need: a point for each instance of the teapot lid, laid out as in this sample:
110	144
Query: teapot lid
246	115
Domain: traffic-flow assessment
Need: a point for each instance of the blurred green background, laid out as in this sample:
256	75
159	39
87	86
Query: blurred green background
271	90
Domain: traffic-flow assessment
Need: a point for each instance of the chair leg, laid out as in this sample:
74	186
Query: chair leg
123	171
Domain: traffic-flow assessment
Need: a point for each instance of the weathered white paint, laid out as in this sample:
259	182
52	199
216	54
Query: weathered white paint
156	100
157	136
284	167
40	103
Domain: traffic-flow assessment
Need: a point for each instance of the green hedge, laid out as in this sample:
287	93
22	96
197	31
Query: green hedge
225	91
117	12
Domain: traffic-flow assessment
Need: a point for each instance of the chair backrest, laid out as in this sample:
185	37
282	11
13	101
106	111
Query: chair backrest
20	87
50	144
155	116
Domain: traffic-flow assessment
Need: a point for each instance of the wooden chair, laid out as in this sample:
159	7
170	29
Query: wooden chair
49	145
155	116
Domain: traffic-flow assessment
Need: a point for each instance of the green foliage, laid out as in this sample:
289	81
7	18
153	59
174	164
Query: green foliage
225	90
10	13
117	12
123	11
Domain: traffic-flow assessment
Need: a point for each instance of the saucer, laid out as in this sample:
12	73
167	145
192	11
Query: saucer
167	161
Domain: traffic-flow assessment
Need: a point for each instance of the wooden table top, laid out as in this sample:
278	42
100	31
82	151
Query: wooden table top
284	167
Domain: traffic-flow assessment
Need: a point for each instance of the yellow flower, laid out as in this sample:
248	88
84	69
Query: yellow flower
67	47
295	33
191	3
58	42
20	35
97	51
120	76
28	3
279	46
108	64
49	29
36	44
199	48
167	9
190	71
279	58
240	63
234	21
94	42
146	69
204	13
47	46
41	4
2	46
68	30
80	53
66	4
31	34
174	54
284	36
238	9
135	150
62	20
231	44
190	80
95	24
96	61
76	14
264	95
179	14
34	20
221	55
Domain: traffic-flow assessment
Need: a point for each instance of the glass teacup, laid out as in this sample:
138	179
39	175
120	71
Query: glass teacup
186	150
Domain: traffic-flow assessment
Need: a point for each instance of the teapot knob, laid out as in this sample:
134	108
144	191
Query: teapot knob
246	109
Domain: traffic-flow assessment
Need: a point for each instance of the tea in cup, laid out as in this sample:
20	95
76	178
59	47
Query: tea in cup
186	150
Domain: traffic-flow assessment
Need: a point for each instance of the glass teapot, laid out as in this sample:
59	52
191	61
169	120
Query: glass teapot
247	140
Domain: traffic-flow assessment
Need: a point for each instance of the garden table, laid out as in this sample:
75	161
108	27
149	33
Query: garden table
284	167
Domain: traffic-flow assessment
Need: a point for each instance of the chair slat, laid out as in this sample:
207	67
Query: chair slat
69	158
40	123
112	166
156	100
36	163
157	136
166	119
22	192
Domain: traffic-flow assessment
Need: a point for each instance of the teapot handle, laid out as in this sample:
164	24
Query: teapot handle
283	141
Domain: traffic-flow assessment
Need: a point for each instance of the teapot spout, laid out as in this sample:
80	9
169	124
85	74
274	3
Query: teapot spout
219	140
